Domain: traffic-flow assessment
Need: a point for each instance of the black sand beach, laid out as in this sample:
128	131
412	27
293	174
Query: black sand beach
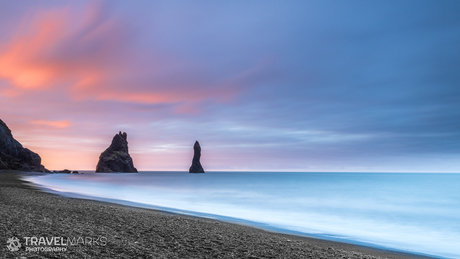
127	232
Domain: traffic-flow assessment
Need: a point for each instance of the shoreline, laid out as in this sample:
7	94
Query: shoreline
232	220
150	233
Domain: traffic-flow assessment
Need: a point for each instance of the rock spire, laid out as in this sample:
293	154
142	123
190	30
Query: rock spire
116	157
196	165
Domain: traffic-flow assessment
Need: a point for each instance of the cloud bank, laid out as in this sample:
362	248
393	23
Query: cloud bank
307	86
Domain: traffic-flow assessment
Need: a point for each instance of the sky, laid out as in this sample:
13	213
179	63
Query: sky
339	86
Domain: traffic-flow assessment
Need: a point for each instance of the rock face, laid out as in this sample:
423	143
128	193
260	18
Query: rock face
196	165
14	156
116	157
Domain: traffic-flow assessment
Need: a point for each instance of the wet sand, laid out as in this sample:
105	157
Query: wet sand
118	231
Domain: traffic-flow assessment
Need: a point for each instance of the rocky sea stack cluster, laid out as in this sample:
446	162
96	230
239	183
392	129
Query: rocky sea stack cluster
196	165
116	157
13	156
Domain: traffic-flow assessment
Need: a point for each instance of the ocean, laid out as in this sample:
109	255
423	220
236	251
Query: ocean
410	212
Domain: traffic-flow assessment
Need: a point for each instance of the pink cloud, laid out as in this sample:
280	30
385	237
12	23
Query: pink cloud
57	124
89	54
24	61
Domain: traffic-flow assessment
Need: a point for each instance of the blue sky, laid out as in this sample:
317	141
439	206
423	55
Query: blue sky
263	85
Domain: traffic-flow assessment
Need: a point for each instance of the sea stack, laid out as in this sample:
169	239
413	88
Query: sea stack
13	156
196	165
116	157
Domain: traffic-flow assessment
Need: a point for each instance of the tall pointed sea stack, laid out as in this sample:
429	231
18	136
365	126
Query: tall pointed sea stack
14	156
196	165
116	157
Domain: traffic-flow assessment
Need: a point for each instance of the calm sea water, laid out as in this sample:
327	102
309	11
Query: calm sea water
411	212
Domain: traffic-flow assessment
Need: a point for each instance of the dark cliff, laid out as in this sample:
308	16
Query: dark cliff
14	156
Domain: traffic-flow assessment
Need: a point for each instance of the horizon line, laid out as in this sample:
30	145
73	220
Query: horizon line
278	171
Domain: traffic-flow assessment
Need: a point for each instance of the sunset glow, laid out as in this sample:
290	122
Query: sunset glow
284	87
57	124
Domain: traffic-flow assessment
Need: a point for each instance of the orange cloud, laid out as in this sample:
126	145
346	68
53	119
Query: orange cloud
180	94
57	124
136	97
55	47
21	61
88	57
